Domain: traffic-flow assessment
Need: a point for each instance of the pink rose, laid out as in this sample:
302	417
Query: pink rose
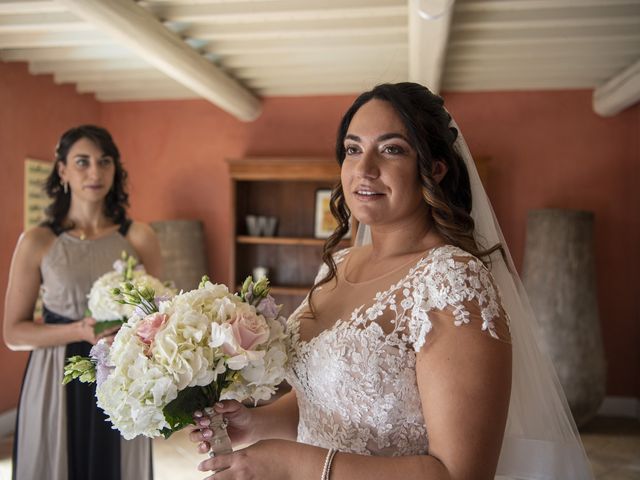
249	330
149	326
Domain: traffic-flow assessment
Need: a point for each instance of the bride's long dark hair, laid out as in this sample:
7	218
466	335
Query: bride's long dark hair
116	201
428	126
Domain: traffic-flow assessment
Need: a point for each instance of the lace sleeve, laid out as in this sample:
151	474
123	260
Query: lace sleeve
461	287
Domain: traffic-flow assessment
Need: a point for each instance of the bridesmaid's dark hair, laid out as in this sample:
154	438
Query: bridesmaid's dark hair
428	126
116	201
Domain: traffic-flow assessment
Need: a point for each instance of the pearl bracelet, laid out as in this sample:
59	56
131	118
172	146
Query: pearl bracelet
326	471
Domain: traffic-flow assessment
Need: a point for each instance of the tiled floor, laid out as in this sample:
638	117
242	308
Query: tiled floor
613	446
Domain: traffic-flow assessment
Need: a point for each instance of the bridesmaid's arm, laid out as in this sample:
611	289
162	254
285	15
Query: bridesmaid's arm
19	330
145	242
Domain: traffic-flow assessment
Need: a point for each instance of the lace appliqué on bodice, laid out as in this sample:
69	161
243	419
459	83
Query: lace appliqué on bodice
355	383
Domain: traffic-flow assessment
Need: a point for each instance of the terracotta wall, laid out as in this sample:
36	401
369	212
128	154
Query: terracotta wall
548	149
33	113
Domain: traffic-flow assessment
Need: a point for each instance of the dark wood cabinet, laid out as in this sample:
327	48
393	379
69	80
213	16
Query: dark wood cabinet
284	188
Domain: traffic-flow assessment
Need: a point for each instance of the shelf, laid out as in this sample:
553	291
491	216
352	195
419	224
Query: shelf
285	188
248	239
284	169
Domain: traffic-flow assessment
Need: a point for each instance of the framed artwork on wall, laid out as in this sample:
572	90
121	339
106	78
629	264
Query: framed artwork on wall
35	198
325	224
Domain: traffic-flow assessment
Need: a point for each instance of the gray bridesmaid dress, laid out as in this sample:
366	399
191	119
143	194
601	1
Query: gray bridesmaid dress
61	434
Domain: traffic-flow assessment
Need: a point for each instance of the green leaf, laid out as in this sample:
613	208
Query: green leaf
179	412
100	327
81	368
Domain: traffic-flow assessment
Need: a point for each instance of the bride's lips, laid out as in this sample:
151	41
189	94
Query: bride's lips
367	194
94	187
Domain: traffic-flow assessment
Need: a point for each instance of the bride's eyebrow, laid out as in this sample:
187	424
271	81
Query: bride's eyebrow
381	138
389	136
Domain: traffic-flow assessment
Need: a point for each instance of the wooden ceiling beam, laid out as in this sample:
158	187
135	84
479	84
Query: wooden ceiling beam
384	55
506	85
275	10
124	75
19	7
64	53
37	22
619	92
137	29
147	94
523	5
17	40
328	45
45	67
429	26
298	29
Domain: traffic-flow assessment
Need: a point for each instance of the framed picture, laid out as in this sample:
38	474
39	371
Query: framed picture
325	223
35	198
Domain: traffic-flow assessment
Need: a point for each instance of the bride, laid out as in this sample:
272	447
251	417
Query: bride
414	355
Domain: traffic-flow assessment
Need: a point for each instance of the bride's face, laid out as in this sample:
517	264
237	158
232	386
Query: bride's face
380	172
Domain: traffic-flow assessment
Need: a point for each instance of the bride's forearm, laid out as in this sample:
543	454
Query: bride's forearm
278	420
306	462
360	467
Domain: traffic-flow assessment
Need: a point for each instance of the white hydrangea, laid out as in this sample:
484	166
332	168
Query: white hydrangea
102	304
202	337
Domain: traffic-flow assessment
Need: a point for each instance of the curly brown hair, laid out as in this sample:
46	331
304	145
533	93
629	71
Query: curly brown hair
428	127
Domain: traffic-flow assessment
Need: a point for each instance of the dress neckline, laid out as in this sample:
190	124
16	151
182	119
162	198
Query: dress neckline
90	240
412	261
341	323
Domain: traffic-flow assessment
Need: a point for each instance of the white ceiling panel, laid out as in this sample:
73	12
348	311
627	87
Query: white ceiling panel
324	47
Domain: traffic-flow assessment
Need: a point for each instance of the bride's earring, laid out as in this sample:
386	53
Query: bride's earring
65	187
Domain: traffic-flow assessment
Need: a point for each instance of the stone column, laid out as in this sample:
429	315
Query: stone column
183	252
560	279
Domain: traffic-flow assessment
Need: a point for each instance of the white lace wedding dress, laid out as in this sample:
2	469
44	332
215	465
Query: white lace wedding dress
356	382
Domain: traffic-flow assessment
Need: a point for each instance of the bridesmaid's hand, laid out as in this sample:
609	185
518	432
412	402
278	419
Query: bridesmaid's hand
239	427
108	334
85	330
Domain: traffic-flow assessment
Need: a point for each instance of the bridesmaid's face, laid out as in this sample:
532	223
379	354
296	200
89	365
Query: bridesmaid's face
380	172
88	170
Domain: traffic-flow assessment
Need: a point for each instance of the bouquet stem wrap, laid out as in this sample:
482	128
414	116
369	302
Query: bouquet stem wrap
220	442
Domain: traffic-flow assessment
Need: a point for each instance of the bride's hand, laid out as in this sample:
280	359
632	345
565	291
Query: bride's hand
239	426
263	460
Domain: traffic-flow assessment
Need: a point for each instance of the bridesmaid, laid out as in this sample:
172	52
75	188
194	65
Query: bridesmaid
61	434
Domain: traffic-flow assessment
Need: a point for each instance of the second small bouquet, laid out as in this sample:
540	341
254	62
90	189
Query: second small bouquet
185	354
107	310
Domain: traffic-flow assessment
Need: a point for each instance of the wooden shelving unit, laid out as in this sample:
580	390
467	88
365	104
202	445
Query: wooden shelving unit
284	188
247	239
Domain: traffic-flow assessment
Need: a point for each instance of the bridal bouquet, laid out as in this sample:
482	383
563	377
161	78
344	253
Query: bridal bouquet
106	309
185	354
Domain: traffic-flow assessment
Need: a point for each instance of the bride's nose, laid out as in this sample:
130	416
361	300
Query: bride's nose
367	165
